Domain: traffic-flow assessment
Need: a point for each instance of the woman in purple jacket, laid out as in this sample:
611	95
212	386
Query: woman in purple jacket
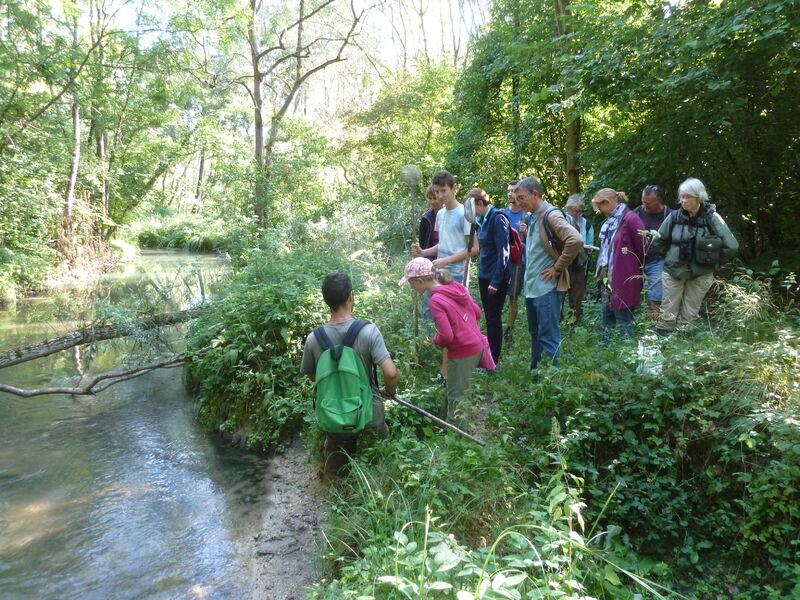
621	260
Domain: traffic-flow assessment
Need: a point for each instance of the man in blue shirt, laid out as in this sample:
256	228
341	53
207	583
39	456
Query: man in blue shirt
546	276
517	218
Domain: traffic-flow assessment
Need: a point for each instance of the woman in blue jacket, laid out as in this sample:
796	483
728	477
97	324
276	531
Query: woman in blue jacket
493	266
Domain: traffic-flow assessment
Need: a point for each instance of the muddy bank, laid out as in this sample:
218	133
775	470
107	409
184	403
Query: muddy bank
288	545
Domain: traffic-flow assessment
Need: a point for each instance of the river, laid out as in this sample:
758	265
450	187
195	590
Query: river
120	495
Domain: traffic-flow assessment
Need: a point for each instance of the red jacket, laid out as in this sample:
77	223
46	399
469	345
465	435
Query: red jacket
455	314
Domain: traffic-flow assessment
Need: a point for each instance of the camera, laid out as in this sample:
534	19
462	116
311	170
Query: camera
686	249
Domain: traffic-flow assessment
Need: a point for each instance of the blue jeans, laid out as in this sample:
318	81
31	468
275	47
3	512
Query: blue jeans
426	309
544	314
653	270
613	318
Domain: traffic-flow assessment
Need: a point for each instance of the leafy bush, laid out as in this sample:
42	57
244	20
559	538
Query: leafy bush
706	453
188	232
247	346
466	523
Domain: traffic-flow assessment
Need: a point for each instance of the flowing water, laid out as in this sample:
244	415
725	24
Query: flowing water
122	494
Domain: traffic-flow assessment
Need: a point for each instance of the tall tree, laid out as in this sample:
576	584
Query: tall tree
281	69
572	119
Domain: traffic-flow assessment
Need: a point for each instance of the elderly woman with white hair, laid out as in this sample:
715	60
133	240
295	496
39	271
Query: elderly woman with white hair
695	240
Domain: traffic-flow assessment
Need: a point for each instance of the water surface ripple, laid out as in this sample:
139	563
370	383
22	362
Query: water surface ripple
120	495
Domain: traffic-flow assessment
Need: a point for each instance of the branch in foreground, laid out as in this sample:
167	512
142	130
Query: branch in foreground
99	382
92	334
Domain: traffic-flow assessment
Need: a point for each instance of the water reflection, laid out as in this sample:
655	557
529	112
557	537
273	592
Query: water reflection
120	495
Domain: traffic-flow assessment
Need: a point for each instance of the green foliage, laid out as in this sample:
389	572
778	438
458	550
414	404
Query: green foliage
507	102
247	346
466	523
189	232
704	456
663	92
130	95
406	125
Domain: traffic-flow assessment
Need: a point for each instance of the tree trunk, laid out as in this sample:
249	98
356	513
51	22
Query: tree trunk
88	335
200	171
105	189
258	115
299	50
65	241
421	13
516	112
65	232
572	121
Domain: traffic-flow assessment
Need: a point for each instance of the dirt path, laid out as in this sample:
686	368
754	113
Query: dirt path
286	549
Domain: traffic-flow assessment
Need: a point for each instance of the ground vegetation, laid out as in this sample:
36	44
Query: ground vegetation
613	476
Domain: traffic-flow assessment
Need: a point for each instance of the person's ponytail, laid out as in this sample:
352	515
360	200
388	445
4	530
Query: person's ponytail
444	276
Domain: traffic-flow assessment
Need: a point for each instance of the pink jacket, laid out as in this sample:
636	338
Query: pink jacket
455	314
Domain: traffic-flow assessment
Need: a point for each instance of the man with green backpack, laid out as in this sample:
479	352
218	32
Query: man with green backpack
341	358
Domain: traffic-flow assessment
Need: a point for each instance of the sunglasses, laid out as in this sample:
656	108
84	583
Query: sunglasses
652	188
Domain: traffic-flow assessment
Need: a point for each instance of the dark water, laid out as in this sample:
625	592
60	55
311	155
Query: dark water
119	495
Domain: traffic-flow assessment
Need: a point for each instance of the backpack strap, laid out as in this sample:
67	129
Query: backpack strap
322	337
710	224
352	332
672	217
349	338
546	222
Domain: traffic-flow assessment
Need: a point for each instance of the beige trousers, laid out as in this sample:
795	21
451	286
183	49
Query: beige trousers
682	300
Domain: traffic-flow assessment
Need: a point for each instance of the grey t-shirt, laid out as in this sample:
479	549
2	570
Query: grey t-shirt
369	345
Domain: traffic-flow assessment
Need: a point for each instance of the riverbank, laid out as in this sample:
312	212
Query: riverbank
288	546
85	269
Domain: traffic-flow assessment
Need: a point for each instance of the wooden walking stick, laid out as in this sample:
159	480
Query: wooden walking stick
411	177
439	421
469	215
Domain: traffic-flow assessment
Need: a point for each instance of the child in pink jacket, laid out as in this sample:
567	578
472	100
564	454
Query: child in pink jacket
455	314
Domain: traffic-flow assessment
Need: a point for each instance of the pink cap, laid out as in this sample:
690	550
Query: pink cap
419	267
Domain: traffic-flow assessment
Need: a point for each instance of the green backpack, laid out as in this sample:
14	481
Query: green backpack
343	388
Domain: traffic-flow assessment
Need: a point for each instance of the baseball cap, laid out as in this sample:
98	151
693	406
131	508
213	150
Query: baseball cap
418	267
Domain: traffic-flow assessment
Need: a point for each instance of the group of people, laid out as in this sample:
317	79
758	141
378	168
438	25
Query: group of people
673	252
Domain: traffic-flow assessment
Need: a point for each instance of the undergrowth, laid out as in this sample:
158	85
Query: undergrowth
676	461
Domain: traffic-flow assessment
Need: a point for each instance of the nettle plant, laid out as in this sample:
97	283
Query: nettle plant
548	554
